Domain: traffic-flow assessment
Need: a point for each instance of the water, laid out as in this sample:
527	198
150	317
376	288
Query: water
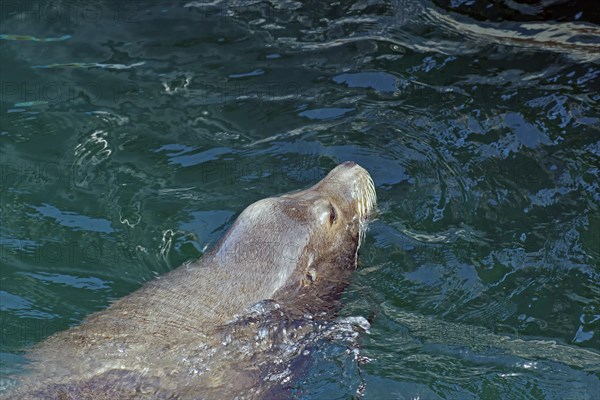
133	133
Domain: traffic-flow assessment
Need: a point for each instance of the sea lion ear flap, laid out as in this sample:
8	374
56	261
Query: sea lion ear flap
310	276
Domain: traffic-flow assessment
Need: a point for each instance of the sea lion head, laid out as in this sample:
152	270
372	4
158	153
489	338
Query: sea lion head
337	210
335	213
307	241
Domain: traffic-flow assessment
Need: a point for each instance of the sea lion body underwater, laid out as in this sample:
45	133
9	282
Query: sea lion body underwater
284	256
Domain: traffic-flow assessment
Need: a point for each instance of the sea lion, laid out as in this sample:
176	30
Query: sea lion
226	325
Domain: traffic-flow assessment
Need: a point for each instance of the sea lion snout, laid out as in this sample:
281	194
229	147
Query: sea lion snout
347	193
352	186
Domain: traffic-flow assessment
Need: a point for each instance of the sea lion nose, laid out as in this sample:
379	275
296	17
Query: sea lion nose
349	164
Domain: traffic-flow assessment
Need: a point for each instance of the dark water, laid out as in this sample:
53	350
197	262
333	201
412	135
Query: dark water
133	132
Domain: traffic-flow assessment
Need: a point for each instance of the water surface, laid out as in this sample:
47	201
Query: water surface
134	132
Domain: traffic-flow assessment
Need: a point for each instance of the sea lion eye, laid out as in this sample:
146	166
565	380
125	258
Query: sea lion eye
332	215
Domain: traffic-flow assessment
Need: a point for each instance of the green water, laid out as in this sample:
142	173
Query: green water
134	132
